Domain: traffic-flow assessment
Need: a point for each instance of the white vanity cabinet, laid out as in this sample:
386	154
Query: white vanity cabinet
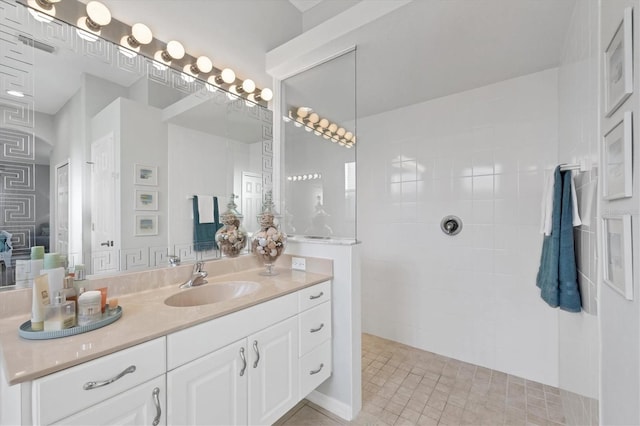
212	390
142	405
273	372
252	381
216	380
85	394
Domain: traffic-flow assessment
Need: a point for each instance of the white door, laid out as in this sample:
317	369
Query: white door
251	200
61	227
273	379
141	405
211	390
104	205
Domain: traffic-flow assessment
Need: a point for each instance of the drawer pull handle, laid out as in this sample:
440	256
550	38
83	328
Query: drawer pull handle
315	330
312	297
255	348
156	401
312	372
94	385
244	362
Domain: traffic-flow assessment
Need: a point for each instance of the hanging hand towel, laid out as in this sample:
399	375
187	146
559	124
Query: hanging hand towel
205	208
557	276
204	232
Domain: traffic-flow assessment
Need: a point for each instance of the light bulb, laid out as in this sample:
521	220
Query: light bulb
97	17
226	76
348	136
323	123
232	94
174	50
303	111
299	122
314	118
333	127
341	131
247	86
202	65
140	35
42	10
265	94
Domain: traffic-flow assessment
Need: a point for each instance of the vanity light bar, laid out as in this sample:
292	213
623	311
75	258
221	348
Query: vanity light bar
308	176
94	19
304	117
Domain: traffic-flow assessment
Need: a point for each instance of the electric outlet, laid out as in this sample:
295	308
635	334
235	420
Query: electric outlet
298	263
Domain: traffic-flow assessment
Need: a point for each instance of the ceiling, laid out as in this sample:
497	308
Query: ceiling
423	50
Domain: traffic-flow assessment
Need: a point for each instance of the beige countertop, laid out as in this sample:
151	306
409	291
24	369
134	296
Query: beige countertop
145	317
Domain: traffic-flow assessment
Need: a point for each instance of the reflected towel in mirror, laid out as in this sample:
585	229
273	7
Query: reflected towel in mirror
204	232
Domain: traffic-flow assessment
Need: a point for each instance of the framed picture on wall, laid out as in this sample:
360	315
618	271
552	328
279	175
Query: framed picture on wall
618	65
618	260
617	160
146	225
145	175
146	200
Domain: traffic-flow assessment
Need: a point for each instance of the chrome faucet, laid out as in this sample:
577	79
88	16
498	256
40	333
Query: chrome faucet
197	276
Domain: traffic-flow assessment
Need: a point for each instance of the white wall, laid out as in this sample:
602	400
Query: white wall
200	164
620	318
578	142
480	155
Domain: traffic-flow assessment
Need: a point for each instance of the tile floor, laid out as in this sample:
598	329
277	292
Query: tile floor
402	385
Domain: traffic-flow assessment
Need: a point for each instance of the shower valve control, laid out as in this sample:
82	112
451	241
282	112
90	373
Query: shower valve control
451	225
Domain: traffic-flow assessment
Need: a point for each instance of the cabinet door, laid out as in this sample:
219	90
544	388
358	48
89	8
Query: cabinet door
212	390
142	405
273	376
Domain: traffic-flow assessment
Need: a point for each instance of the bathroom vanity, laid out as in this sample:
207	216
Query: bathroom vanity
243	360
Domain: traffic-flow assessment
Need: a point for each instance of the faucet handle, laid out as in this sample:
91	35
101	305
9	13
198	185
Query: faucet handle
198	267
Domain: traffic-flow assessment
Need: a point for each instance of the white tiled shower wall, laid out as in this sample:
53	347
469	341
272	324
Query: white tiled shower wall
578	141
480	155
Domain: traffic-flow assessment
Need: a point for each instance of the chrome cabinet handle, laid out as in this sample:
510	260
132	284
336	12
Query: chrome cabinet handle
316	297
156	401
315	330
244	362
312	372
255	348
94	385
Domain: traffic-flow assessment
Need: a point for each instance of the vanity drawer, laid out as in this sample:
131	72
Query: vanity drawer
61	394
314	327
314	295
315	368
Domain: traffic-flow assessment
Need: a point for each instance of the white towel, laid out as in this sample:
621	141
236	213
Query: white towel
546	220
574	202
205	208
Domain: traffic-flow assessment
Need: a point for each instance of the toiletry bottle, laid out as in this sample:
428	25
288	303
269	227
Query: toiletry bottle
60	314
69	291
40	301
89	307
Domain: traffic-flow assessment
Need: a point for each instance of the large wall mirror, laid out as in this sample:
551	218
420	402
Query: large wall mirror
103	154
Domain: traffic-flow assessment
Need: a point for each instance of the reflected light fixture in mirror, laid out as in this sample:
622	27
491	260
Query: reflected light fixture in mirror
312	122
42	10
140	35
90	26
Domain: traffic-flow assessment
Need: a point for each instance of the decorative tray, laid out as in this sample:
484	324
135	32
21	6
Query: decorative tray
26	332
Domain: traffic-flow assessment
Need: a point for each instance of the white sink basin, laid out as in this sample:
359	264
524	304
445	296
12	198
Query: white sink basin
212	293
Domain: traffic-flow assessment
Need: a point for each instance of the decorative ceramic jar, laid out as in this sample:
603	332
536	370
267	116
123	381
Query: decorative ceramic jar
231	238
268	242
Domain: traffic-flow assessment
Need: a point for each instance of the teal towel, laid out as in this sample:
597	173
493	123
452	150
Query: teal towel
557	275
204	233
